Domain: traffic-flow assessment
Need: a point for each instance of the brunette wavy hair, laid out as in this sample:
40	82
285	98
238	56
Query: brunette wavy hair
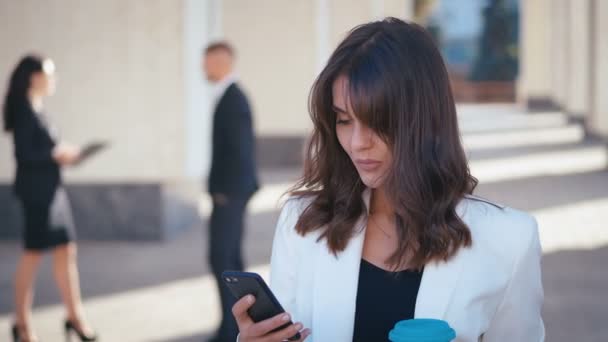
398	85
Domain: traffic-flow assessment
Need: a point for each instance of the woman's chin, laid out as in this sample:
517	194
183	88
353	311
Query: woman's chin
371	182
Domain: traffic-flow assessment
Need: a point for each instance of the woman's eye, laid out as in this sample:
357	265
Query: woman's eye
342	121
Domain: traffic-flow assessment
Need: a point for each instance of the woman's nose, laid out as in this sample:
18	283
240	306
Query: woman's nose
362	137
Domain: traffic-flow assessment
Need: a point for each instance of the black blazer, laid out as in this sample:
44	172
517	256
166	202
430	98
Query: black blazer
233	169
38	174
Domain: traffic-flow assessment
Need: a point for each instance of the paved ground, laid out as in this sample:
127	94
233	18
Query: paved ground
539	163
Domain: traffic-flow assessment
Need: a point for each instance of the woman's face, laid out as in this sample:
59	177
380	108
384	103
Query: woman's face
369	153
43	82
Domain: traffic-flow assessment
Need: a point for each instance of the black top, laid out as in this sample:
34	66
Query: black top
233	168
383	299
38	174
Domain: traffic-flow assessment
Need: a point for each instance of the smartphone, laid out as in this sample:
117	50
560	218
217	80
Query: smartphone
266	305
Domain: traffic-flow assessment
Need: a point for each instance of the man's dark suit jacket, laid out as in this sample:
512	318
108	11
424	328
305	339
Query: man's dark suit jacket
38	174
233	170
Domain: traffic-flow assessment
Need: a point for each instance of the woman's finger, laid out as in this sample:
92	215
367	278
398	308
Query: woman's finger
262	328
284	334
239	311
305	333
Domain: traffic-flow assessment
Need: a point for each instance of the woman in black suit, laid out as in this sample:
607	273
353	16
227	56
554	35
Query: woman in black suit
46	210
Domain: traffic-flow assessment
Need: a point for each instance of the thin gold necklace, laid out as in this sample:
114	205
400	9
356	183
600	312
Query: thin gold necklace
371	218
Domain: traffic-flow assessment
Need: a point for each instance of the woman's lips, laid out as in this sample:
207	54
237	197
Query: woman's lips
367	164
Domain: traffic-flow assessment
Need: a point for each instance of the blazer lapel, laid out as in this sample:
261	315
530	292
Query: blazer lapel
335	288
335	292
439	281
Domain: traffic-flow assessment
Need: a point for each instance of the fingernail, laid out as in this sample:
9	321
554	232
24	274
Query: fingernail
250	299
299	327
285	317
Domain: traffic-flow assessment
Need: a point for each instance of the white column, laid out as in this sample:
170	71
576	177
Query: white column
560	45
196	35
577	87
534	82
215	22
323	30
599	85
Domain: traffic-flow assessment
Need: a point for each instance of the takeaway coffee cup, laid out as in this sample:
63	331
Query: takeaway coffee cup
422	330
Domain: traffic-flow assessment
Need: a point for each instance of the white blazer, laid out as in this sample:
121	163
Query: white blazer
490	292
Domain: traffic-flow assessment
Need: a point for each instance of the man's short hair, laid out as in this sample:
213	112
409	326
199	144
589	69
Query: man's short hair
220	46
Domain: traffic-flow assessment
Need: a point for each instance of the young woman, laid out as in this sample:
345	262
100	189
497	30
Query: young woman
46	210
383	226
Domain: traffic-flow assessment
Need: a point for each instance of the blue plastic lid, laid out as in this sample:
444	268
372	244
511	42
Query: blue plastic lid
422	330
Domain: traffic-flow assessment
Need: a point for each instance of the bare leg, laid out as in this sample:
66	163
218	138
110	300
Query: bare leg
65	271
24	292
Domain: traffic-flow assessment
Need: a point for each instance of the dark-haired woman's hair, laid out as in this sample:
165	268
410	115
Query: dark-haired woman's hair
18	86
398	86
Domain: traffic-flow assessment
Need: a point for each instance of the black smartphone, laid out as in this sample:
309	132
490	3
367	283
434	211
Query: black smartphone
266	304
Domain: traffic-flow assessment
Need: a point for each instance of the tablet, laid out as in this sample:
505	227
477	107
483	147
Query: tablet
91	149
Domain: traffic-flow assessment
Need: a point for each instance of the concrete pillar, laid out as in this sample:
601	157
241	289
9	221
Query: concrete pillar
200	26
598	123
577	100
560	47
322	18
534	87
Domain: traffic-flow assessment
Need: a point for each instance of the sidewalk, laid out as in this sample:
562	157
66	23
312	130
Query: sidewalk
539	163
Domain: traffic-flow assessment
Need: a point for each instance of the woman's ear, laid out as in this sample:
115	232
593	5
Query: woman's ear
36	80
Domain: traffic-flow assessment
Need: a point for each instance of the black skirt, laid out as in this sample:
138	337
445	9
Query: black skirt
48	225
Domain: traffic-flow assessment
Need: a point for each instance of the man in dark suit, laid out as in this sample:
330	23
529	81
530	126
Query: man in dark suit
233	179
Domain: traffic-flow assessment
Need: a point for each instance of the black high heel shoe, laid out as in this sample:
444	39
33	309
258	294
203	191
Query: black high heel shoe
16	333
70	327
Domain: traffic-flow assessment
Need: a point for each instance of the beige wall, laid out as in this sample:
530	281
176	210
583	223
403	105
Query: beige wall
120	79
275	41
345	14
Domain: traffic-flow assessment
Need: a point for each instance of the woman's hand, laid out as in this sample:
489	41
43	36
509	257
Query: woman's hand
261	331
66	154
